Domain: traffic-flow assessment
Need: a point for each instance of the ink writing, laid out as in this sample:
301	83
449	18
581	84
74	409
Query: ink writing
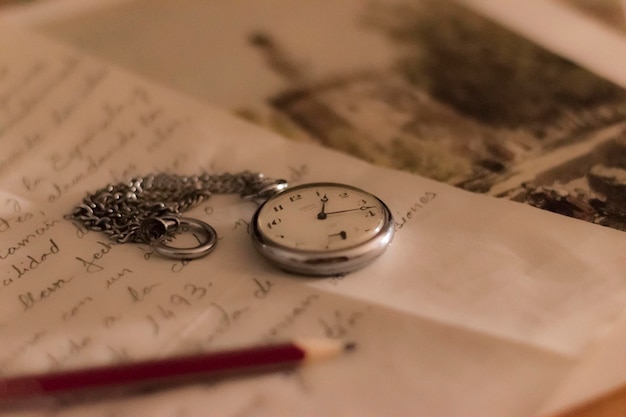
301	308
138	295
90	264
27	239
116	277
407	216
32	262
30	298
74	310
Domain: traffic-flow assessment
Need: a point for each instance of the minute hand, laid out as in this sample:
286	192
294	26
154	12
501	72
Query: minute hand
354	209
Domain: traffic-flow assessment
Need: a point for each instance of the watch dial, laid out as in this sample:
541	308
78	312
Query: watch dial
321	217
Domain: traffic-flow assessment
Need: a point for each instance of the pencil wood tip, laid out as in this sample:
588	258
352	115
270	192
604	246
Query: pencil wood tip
324	348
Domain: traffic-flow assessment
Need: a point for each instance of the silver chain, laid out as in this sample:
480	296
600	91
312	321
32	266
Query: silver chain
126	211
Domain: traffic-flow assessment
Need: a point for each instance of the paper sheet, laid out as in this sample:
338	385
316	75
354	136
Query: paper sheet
480	307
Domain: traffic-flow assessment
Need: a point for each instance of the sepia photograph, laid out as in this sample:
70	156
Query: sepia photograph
469	103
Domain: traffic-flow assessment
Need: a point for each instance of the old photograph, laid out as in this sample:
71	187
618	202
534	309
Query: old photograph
469	103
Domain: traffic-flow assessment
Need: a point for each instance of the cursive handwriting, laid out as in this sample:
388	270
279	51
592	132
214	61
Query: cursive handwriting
262	288
176	266
29	299
296	174
163	134
302	307
89	82
25	241
189	295
28	143
76	308
31	263
117	276
20	216
74	349
339	323
32	341
139	295
31	97
220	326
91	265
94	163
60	161
407	216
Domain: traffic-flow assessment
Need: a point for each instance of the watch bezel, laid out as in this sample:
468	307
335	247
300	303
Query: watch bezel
323	263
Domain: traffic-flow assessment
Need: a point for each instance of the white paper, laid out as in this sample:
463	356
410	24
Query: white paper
479	307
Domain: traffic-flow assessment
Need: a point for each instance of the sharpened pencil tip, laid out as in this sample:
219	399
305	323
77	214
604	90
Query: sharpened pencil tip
324	348
349	346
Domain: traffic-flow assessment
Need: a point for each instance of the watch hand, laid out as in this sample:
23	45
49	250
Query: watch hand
343	235
344	211
322	215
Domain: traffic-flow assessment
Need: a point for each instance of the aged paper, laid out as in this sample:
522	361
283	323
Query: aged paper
481	306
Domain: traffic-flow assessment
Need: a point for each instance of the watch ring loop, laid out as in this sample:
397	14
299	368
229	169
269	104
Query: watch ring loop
208	240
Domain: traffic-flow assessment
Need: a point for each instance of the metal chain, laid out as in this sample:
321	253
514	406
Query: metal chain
124	211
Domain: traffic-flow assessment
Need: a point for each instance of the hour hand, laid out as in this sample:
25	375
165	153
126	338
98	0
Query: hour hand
322	214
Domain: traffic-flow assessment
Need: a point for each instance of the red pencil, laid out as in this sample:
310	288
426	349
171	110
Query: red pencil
175	369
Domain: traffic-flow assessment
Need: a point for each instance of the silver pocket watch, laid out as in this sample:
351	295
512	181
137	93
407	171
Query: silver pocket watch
322	228
318	229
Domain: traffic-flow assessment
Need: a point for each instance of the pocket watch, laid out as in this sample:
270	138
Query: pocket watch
314	229
322	228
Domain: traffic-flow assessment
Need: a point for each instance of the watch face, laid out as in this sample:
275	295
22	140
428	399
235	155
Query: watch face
323	225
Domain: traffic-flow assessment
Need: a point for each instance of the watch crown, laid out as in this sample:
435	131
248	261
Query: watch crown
267	189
